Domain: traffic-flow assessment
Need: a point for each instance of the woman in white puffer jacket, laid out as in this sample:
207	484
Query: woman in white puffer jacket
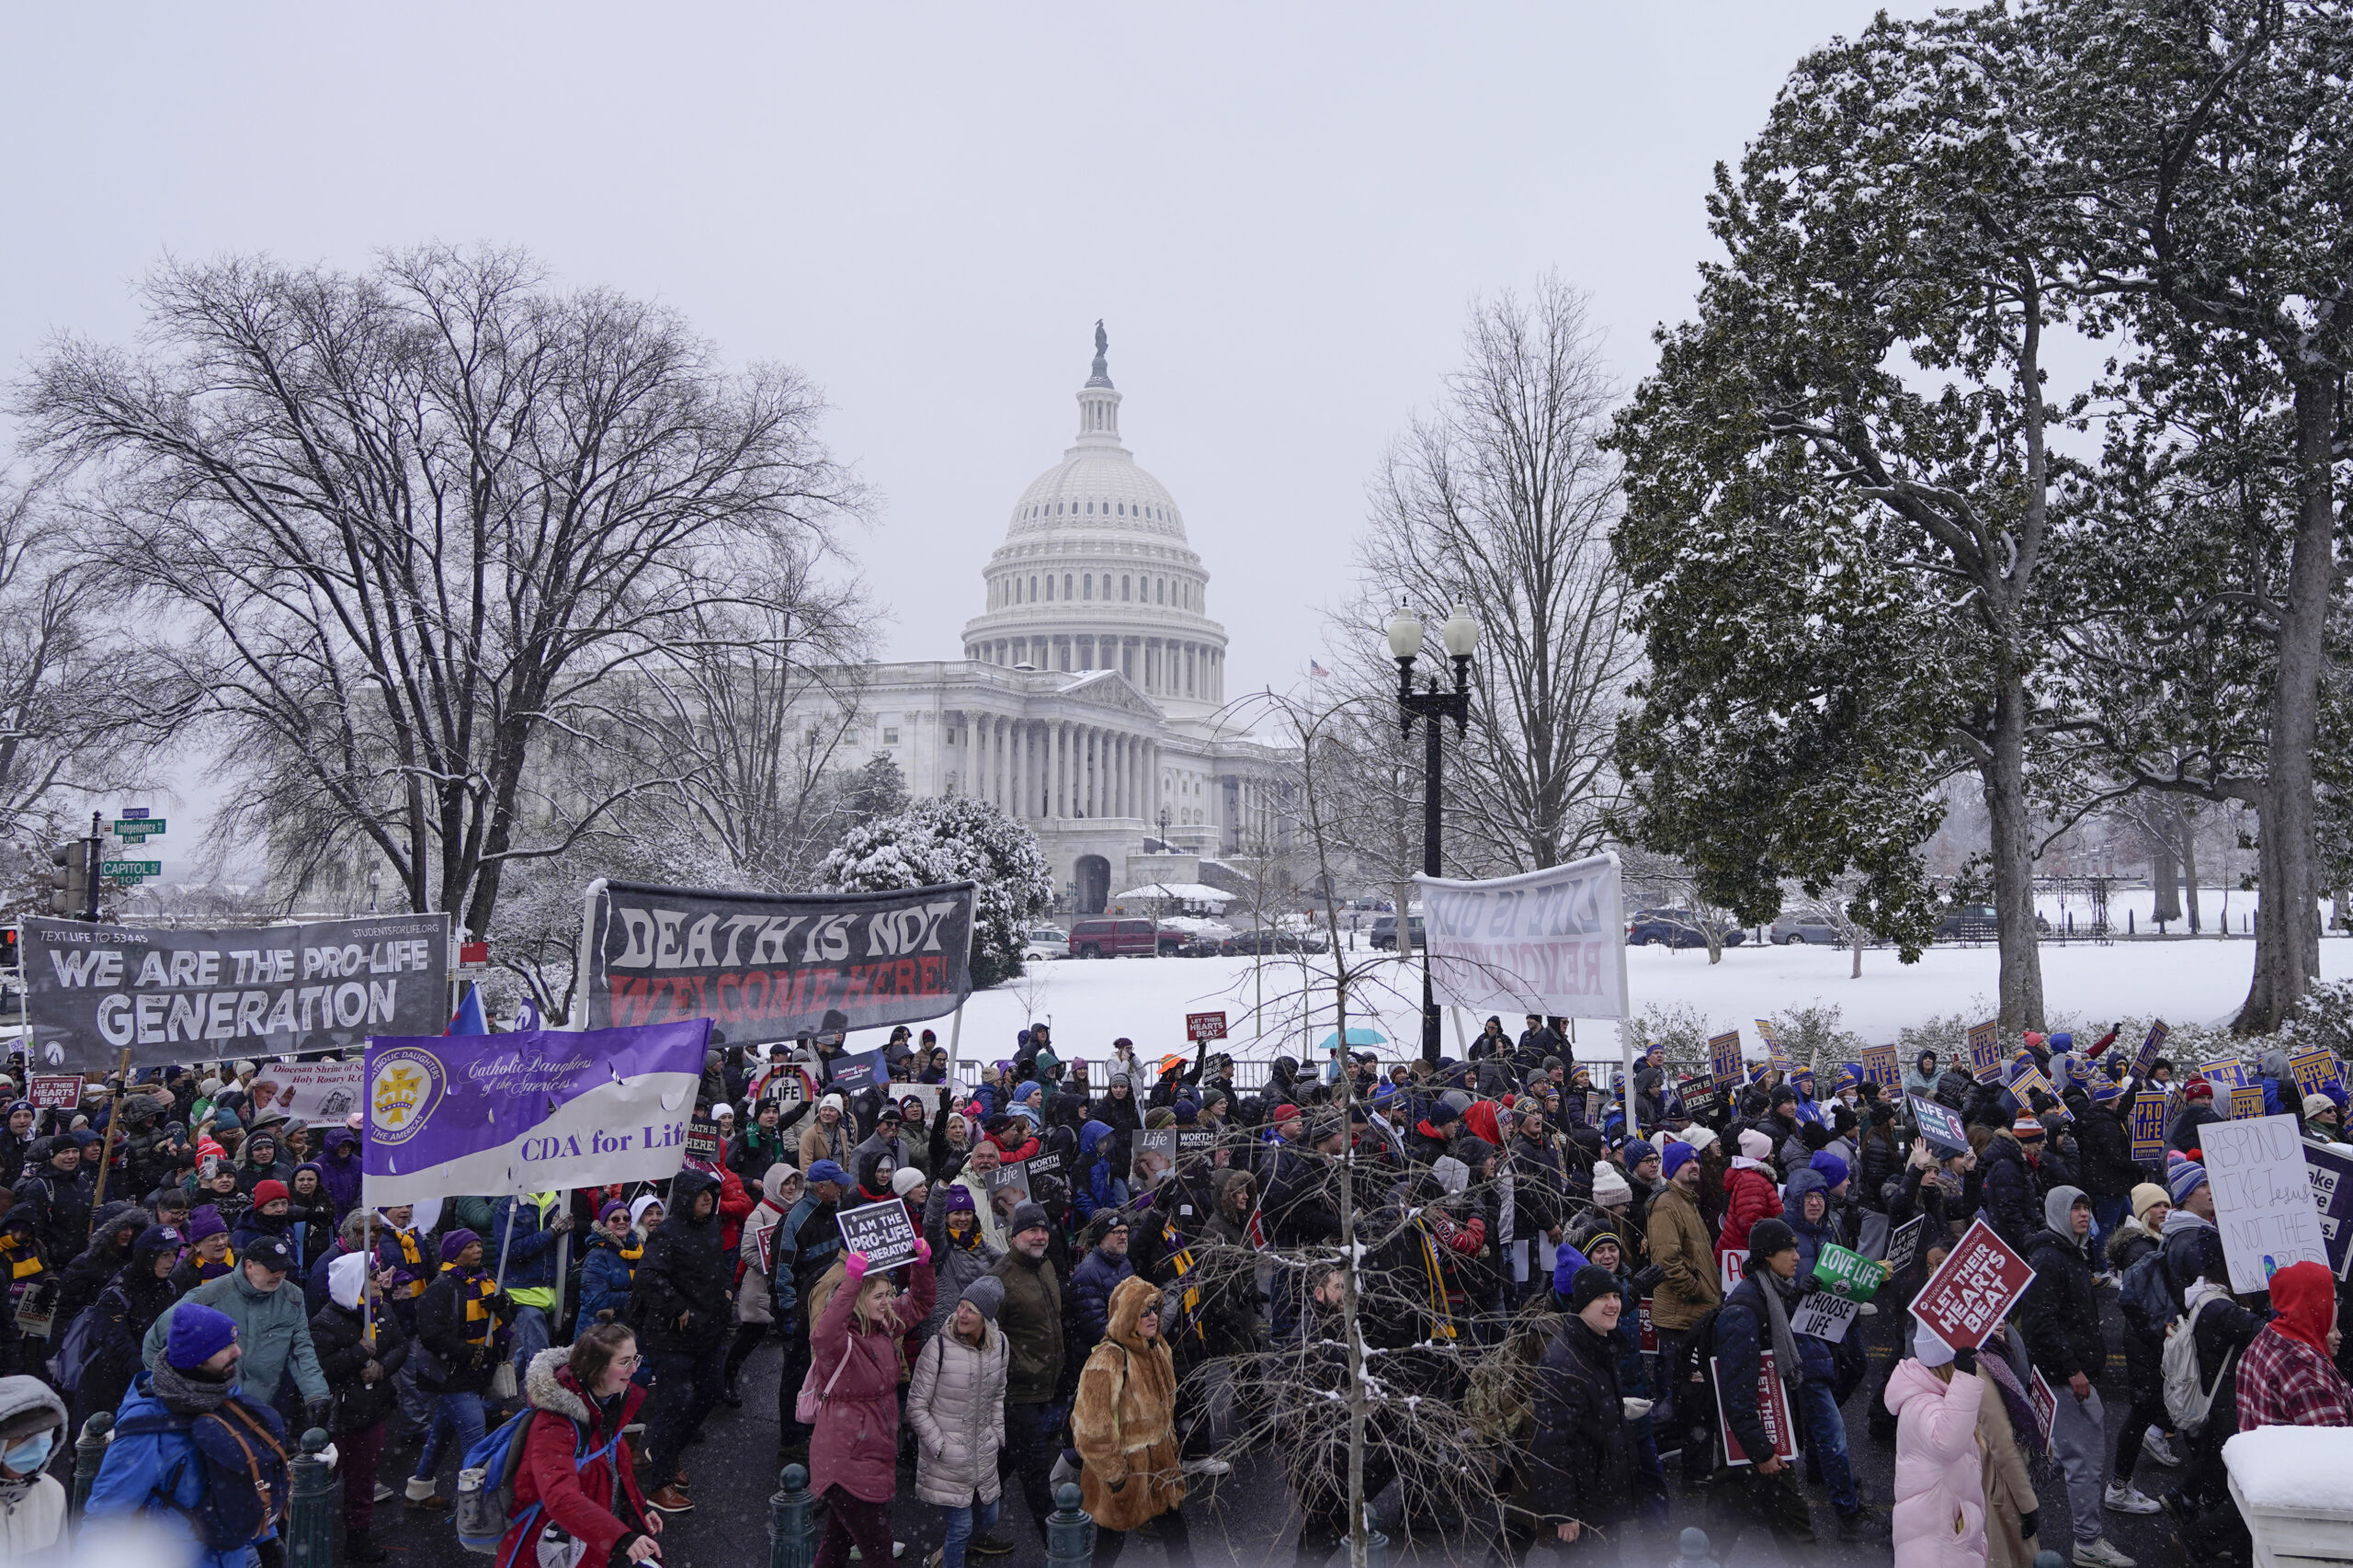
956	1404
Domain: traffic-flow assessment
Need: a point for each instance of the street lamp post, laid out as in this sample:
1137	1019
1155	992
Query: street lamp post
1460	636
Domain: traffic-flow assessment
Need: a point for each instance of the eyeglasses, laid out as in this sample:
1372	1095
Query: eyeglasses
630	1360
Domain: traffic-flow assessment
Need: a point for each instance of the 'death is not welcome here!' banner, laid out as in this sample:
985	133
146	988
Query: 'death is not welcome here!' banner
1550	942
531	1111
769	967
172	995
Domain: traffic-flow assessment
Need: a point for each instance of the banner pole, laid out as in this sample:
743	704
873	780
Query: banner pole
955	1044
106	1156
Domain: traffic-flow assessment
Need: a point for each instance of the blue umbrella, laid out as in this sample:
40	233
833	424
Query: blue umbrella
1356	1036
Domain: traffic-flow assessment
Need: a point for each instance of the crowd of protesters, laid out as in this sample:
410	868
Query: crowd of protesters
1050	1328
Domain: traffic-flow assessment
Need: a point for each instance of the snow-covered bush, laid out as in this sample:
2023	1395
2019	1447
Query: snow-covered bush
951	840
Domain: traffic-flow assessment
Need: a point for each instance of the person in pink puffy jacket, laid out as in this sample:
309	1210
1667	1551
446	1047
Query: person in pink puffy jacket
1939	1515
854	1364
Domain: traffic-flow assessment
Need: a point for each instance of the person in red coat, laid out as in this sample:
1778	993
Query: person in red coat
585	1397
1749	1194
854	1364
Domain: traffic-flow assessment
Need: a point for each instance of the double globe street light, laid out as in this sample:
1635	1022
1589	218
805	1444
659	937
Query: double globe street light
1460	636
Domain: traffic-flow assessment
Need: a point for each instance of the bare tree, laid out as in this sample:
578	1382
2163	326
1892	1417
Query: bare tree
64	727
392	528
1502	500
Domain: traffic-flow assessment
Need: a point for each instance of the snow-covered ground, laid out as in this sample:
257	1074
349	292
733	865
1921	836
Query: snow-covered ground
1091	1004
2214	906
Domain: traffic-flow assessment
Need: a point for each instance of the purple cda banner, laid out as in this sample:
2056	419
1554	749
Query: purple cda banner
533	1111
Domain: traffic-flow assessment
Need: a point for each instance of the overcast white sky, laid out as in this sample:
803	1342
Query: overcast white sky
1282	214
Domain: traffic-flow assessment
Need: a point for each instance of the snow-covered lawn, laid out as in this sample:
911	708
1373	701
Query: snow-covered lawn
1091	1004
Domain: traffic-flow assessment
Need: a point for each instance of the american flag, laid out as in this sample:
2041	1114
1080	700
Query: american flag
1317	671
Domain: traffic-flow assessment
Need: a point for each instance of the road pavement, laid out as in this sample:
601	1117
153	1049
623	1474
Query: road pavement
1245	1520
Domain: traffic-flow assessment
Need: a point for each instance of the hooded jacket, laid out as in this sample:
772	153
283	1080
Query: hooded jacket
125	1309
1124	1420
2059	1316
606	1275
2005	1189
854	1445
339	1172
1583	1458
594	1501
1938	1520
1749	1195
1692	1283
781	1188
346	1340
109	1249
32	1511
956	1404
680	1300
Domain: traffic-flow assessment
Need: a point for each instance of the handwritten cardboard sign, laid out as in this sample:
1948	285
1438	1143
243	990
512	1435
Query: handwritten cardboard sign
2262	1199
1973	1289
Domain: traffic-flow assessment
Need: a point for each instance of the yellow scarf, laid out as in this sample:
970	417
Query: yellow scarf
1441	1321
476	1293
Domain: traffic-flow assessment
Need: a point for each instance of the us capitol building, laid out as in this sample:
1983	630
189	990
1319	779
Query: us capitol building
1090	700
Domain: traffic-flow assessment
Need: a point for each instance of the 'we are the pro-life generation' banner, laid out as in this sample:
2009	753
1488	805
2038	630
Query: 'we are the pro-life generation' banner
1550	942
170	994
769	967
532	1111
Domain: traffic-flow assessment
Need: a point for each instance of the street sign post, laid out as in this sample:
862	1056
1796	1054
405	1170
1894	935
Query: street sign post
129	871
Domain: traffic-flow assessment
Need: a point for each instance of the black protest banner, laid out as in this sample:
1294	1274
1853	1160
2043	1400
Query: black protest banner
169	994
774	966
884	1232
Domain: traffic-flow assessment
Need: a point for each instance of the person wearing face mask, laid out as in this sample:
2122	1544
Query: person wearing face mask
152	1466
32	1505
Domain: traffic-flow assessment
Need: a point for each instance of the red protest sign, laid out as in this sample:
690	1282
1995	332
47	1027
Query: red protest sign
1772	1410
2045	1404
61	1091
1973	1289
1200	1027
1650	1329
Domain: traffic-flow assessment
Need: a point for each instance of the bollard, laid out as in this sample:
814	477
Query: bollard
1070	1534
88	1454
310	1509
792	1534
1691	1551
1376	1545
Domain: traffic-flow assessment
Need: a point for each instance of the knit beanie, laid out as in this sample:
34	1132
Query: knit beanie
1636	1150
905	1179
2146	1194
960	1197
1756	1145
1929	1350
1834	1169
1767	1238
1026	1217
455	1243
1159	1117
205	1222
1609	1187
1187	1113
269	1192
2187	1178
1676	1157
199	1334
1592	1283
2027	1130
987	1294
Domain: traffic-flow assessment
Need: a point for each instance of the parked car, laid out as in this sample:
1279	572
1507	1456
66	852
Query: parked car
1678	928
1817	929
1268	940
1121	938
1977	923
1385	933
1044	942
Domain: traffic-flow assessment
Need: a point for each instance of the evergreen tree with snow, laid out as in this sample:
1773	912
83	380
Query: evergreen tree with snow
949	840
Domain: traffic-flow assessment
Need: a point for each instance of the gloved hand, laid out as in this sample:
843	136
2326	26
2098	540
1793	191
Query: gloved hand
1964	1360
1648	1280
2029	1525
854	1267
923	1250
316	1411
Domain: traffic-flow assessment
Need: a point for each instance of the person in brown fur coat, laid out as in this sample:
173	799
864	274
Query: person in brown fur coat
1124	1424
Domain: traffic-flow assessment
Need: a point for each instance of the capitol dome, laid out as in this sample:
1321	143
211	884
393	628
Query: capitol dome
1095	573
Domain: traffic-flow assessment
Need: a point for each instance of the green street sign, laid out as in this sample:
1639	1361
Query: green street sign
130	870
138	827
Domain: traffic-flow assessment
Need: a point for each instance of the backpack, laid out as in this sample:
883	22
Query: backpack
72	1362
242	1447
484	1509
2144	1289
2188	1401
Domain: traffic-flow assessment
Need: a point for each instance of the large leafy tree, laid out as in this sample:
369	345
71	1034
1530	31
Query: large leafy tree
2211	146
1840	485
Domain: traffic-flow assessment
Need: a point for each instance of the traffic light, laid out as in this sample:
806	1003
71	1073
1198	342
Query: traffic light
70	878
8	959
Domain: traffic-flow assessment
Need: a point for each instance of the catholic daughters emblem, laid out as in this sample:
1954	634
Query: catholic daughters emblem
402	1091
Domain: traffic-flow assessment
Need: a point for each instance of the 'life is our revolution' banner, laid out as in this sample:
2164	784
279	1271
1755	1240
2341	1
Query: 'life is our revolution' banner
206	995
772	966
1550	942
531	1111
